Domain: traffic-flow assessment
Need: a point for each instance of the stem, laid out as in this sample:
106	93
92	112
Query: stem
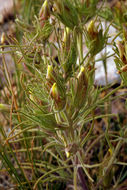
107	103
111	161
16	108
88	134
70	124
82	179
81	175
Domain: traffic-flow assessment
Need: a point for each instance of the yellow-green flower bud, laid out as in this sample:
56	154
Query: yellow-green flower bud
3	38
66	38
50	76
92	30
67	153
82	77
44	13
55	94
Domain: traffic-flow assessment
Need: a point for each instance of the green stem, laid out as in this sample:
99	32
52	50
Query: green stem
111	161
70	125
88	134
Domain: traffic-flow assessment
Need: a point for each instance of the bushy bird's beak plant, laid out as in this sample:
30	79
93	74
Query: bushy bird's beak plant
53	113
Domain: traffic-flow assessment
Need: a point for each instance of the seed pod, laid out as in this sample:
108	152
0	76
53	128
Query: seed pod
56	96
44	13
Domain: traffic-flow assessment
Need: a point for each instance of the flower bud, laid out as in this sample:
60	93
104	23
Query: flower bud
56	96
71	149
66	39
50	76
55	93
92	30
44	13
82	78
3	38
110	151
67	153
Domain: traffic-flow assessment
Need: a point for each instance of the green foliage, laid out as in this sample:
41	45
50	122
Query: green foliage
54	136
